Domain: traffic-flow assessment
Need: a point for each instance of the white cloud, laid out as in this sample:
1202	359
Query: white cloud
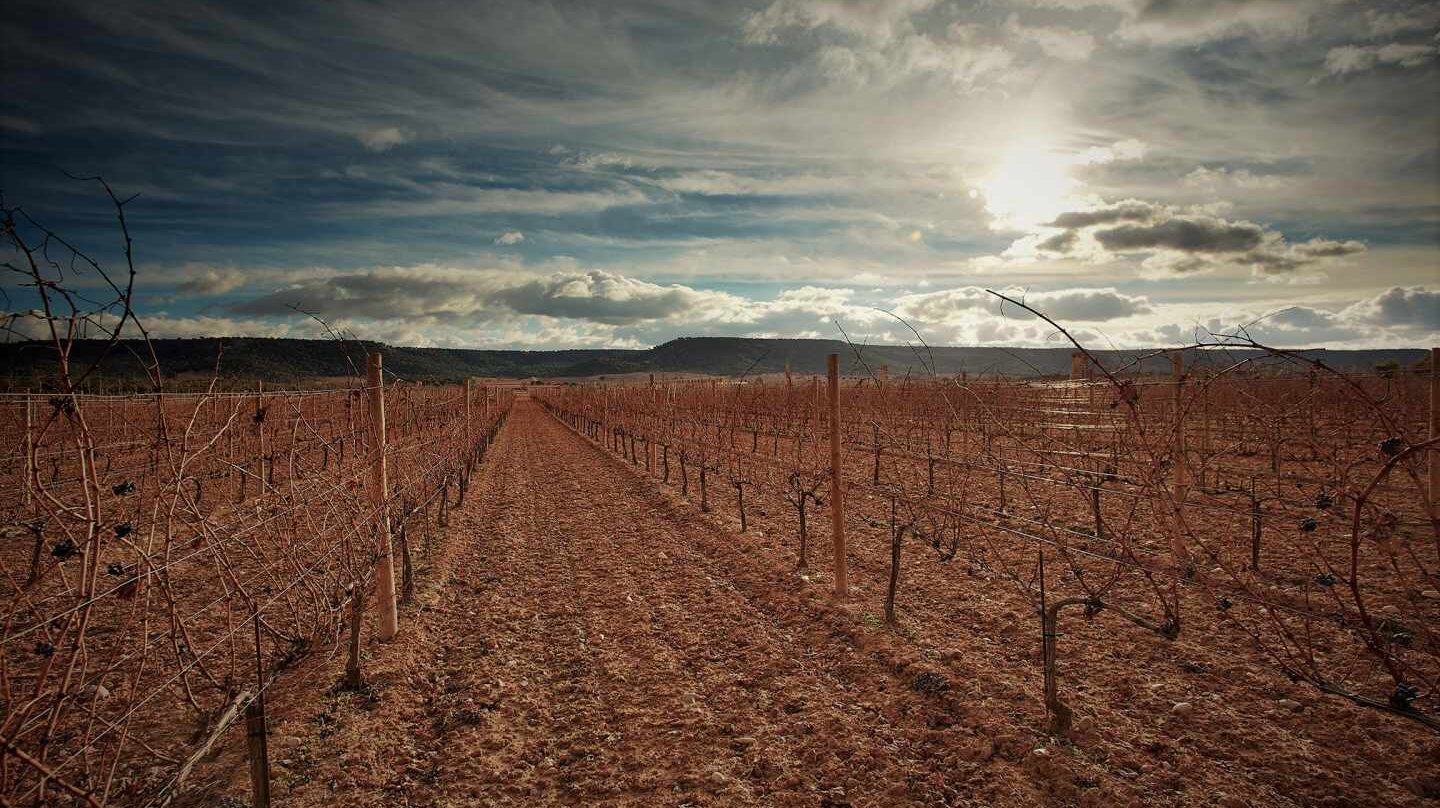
1066	44
1421	17
1359	58
383	138
952	307
206	281
1215	179
453	199
873	19
1411	307
509	237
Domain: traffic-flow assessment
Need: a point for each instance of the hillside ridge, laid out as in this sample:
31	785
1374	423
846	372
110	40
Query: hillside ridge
283	359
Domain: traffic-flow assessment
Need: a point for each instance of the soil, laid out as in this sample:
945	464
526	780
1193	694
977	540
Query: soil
587	636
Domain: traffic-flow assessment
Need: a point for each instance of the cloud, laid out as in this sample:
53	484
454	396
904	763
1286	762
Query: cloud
1213	179
1066	44
1359	58
208	281
953	306
872	19
454	199
382	139
1178	242
1190	234
605	297
1062	242
17	123
1175	22
509	237
1420	17
451	295
1130	210
1408	307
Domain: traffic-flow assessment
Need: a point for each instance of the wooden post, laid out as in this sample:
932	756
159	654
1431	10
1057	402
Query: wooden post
29	451
255	733
1434	427
815	387
1077	366
379	489
1254	527
357	611
1177	446
469	429
837	487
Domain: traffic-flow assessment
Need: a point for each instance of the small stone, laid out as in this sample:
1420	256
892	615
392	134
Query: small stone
1291	704
102	692
1182	709
1432	594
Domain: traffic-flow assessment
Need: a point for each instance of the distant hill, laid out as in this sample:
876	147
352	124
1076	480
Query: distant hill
27	364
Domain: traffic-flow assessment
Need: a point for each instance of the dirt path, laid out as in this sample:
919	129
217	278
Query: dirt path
586	641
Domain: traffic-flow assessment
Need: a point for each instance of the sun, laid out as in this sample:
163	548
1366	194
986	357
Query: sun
1029	185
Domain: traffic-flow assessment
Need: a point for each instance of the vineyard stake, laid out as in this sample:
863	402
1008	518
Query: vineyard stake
353	679
469	429
379	486
29	450
255	733
837	487
1177	449
1254	527
1434	427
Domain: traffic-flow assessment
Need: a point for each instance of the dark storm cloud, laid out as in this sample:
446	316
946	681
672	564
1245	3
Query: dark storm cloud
1129	211
1185	234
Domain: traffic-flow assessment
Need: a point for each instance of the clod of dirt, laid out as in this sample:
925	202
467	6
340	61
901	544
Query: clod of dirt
931	683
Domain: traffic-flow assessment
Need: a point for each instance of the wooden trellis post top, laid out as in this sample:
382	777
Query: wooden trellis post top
837	486
1079	370
379	488
1434	480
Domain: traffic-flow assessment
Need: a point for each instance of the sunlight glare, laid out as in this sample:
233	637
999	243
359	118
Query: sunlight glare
1030	185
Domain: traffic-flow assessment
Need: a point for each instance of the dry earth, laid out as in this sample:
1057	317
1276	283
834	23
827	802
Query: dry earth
587	637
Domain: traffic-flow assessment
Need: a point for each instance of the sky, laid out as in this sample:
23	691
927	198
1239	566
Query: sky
618	174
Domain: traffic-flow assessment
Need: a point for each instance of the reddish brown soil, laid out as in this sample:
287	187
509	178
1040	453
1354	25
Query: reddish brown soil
589	638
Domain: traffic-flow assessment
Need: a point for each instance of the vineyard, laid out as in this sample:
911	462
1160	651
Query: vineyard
855	589
168	557
173	559
1286	502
